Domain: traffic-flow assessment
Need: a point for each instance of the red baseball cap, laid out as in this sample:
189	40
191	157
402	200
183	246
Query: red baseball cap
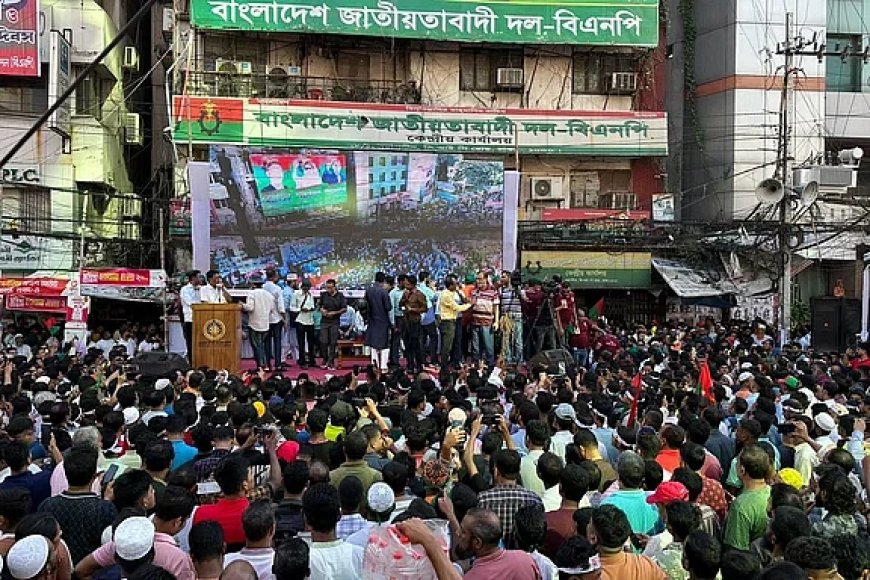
668	492
289	450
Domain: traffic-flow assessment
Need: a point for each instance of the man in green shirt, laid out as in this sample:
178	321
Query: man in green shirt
747	518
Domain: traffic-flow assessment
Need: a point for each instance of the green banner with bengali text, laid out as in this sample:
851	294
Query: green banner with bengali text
590	22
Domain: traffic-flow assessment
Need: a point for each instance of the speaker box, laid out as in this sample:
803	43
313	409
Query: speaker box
159	364
850	320
826	322
555	362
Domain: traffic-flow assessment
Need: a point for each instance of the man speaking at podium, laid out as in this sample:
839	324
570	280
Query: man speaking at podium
214	292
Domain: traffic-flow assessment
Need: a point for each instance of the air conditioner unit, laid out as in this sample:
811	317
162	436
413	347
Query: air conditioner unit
509	77
131	58
133	129
547	189
623	81
239	67
131	208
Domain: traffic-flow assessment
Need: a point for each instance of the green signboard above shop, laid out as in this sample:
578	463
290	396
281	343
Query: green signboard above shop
593	270
359	126
591	22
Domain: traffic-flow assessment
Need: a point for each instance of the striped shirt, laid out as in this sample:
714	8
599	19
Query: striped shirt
510	303
483	310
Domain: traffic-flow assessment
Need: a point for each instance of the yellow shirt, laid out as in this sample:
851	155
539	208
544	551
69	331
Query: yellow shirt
448	309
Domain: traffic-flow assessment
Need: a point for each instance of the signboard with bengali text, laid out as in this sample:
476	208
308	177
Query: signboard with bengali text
582	215
36	303
339	125
590	269
126	277
33	286
35	253
590	22
19	38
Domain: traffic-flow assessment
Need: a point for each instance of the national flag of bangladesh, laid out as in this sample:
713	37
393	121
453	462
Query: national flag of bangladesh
208	120
597	311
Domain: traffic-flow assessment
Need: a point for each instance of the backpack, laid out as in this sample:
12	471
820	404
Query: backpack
289	520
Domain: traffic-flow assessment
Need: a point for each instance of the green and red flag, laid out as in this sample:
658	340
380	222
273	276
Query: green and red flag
208	120
597	310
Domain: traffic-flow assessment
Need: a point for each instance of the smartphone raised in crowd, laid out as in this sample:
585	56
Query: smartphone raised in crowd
110	474
45	435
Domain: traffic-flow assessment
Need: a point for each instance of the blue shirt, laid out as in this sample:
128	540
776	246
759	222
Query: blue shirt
642	516
38	484
428	317
519	439
183	454
605	437
395	298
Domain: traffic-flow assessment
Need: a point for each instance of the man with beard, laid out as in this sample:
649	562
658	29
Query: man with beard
479	536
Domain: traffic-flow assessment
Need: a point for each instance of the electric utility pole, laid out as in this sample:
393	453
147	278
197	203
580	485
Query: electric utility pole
783	169
795	46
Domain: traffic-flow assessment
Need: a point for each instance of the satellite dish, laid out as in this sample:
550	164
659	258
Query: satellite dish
808	193
770	191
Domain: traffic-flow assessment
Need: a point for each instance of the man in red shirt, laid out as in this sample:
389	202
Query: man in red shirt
235	481
566	308
573	485
672	438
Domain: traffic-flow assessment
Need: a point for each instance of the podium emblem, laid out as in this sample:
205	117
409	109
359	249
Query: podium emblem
214	329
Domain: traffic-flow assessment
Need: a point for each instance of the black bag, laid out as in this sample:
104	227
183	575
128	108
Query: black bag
289	520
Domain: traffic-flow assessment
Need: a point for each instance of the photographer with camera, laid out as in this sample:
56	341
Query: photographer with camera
540	316
511	323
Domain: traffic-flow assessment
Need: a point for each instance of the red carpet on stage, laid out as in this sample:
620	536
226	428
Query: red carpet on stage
314	373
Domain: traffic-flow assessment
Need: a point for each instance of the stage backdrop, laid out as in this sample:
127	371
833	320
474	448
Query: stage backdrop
347	215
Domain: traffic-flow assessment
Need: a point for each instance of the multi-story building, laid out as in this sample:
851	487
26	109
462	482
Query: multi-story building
727	66
563	95
71	178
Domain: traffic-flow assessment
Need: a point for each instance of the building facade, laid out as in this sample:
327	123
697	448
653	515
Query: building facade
70	180
726	71
563	97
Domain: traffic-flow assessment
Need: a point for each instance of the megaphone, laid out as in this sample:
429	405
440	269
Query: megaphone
770	191
808	193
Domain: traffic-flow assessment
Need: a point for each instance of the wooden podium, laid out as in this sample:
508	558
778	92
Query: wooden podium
217	336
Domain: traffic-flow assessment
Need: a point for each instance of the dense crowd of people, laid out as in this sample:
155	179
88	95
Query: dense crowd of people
678	452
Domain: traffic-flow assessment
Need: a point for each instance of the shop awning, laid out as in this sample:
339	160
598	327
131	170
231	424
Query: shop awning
840	248
689	282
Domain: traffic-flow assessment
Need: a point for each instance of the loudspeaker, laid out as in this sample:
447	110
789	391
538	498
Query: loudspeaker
553	362
850	321
159	364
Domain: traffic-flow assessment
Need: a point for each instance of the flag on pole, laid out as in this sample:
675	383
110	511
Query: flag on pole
597	310
705	383
634	393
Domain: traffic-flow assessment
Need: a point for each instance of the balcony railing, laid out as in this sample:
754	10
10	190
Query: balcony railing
219	84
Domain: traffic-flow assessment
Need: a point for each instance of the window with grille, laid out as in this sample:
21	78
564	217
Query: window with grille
601	74
478	68
34	210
